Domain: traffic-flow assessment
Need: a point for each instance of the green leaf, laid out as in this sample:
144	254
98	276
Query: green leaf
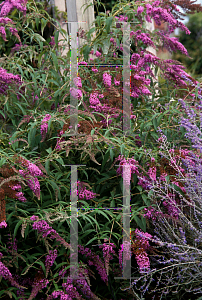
31	137
93	239
10	215
47	166
16	227
112	203
86	51
26	231
141	127
56	35
98	20
38	37
49	150
139	188
43	24
55	60
57	93
102	213
87	232
151	193
18	104
154	135
178	189
2	162
109	21
41	46
105	160
155	123
111	154
145	199
140	223
40	58
91	31
41	264
60	160
122	149
37	23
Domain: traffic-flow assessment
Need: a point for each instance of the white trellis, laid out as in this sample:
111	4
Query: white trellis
75	12
150	27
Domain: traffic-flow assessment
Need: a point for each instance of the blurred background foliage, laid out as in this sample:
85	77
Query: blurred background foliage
193	44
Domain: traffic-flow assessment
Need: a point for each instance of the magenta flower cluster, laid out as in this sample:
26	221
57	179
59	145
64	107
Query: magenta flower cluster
144	37
6	79
107	253
141	256
107	79
12	245
17	47
150	213
5	21
132	167
3	224
6	274
94	260
37	287
8	5
77	82
172	43
50	258
52	42
76	93
124	251
94	101
44	126
30	174
82	192
159	14
42	227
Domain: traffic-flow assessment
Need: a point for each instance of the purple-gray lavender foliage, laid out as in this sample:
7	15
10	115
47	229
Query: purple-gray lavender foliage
180	238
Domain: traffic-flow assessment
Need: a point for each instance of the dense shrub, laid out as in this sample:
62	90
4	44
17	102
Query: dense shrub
38	152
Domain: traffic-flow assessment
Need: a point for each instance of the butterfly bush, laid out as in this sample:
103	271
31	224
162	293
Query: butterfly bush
30	174
161	14
8	5
6	274
107	79
38	286
141	68
12	245
126	250
128	162
52	42
44	126
42	227
94	260
50	258
3	224
82	192
18	47
107	253
141	246
6	79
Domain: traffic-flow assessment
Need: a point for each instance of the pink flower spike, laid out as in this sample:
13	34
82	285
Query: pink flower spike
34	218
97	53
3	224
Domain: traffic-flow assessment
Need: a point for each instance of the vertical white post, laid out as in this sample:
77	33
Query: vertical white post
150	27
61	5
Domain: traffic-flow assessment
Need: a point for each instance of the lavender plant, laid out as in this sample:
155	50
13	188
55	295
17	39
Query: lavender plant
180	236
